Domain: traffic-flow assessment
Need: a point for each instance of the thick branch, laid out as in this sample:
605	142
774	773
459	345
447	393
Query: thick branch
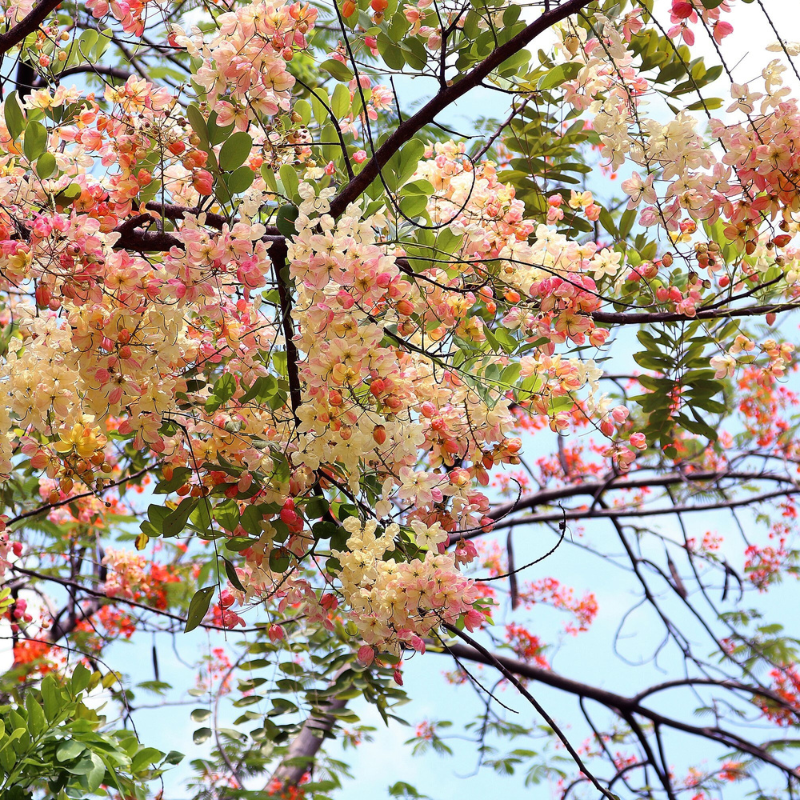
97	69
406	129
305	746
292	356
134	237
614	513
619	704
648	318
29	24
595	488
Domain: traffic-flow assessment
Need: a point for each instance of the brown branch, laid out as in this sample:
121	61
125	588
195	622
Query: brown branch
171	211
305	746
617	703
102	596
446	97
133	237
613	513
97	69
509	674
68	500
292	356
648	318
548	497
29	24
143	241
503	125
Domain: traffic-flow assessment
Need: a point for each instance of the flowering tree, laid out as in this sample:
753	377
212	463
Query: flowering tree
274	347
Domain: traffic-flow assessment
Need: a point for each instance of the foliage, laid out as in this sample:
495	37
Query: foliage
55	739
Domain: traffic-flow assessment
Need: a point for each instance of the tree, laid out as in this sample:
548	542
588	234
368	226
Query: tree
270	330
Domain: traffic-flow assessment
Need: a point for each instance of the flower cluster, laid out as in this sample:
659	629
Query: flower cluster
393	603
244	64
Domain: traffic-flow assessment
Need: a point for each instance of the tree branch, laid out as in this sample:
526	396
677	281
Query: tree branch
29	24
547	497
649	318
102	596
406	129
617	703
67	500
305	746
614	513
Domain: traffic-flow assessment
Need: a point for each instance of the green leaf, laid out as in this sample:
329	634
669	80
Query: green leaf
94	776
144	758
179	476
227	514
36	720
103	41
51	695
324	529
285	218
198	123
156	515
268	175
225	387
290	182
251	519
80	679
149	191
337	70
201	735
303	108
707	104
413	206
514	63
403	164
560	74
262	389
626	222
35	141
240	180
235	151
69	749
340	102
177	519
217	134
86	43
198	608
279	560
237	544
15	121
173	757
317	507
230	571
391	54
45	165
414	52
320	102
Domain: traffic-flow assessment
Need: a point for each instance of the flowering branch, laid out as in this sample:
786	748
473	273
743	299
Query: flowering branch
446	97
12	37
